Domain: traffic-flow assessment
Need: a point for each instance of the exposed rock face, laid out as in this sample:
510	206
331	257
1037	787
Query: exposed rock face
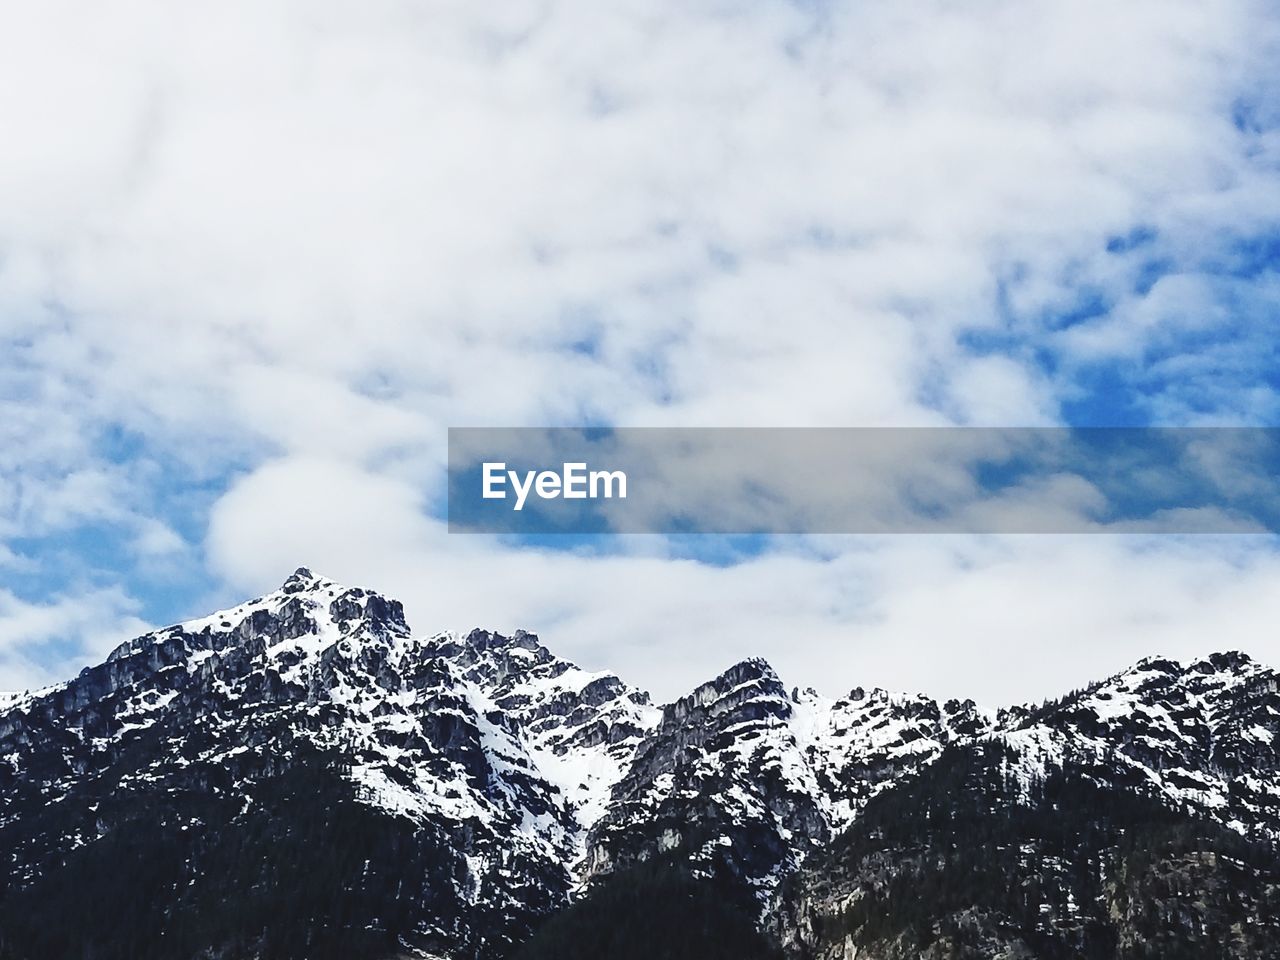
723	777
316	675
751	779
1111	823
375	794
1203	735
581	728
970	860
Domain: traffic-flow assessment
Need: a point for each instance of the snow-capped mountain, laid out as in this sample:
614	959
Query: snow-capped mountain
302	775
452	736
1136	818
581	729
1204	736
750	778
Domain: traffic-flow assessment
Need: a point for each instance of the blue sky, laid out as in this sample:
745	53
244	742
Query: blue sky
252	268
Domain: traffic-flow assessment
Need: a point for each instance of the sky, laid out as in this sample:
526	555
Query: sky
256	258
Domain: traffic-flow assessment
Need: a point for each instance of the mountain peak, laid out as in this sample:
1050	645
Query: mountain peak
300	580
753	669
1226	661
1159	672
750	685
479	639
497	652
1154	664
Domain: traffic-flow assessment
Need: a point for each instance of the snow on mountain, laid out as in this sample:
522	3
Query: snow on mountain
580	728
519	776
1201	736
722	777
314	673
263	655
751	779
509	750
860	744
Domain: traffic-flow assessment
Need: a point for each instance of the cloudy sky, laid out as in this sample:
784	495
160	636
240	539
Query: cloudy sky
255	258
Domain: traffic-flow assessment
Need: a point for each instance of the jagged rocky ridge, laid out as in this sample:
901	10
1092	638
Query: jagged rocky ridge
302	776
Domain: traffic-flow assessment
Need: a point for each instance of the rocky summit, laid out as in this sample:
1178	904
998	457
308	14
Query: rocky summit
303	776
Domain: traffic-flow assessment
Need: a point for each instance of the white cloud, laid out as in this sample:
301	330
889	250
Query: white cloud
313	507
296	241
349	190
1001	619
41	643
156	540
996	389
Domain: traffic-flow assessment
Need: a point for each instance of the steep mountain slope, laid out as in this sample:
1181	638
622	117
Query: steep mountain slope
581	728
1202	736
863	743
301	777
746	779
1136	818
199	723
971	861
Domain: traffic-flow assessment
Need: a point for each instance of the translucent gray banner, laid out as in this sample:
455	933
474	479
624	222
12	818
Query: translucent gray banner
538	481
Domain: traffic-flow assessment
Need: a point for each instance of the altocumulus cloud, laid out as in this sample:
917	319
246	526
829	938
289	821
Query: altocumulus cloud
255	258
